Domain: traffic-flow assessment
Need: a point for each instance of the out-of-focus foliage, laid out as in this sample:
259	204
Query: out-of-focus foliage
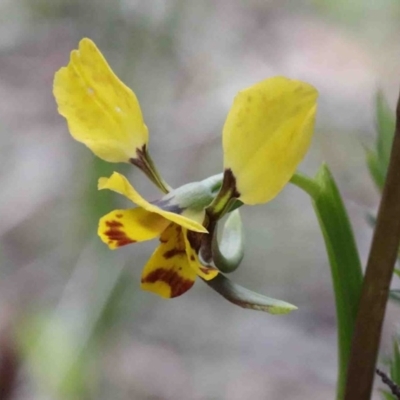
378	158
394	363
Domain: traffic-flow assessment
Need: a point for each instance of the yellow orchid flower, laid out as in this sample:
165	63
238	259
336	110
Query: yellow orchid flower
266	135
173	267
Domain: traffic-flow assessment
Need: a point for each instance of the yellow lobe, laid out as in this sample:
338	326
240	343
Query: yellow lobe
168	273
267	134
118	183
100	110
121	227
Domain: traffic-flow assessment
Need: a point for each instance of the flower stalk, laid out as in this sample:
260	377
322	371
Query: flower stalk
378	275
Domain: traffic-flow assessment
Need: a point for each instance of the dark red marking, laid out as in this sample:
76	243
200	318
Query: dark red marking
119	215
113	224
192	257
172	253
194	239
116	235
177	284
206	270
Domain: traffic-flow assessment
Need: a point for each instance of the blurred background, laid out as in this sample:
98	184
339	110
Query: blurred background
73	322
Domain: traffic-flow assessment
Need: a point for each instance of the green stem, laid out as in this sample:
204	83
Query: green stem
306	183
375	290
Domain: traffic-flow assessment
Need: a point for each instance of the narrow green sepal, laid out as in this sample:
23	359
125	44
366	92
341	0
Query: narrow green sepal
245	298
228	254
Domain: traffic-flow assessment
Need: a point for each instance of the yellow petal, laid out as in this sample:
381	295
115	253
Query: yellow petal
266	135
168	273
192	245
122	227
101	111
118	183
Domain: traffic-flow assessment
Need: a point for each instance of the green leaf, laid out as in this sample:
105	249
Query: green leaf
378	158
49	347
387	395
344	261
376	169
343	258
228	254
385	125
245	298
397	272
395	363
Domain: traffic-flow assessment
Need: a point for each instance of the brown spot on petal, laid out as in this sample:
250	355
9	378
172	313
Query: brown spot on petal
192	257
113	224
173	252
206	270
118	216
115	234
177	284
123	242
